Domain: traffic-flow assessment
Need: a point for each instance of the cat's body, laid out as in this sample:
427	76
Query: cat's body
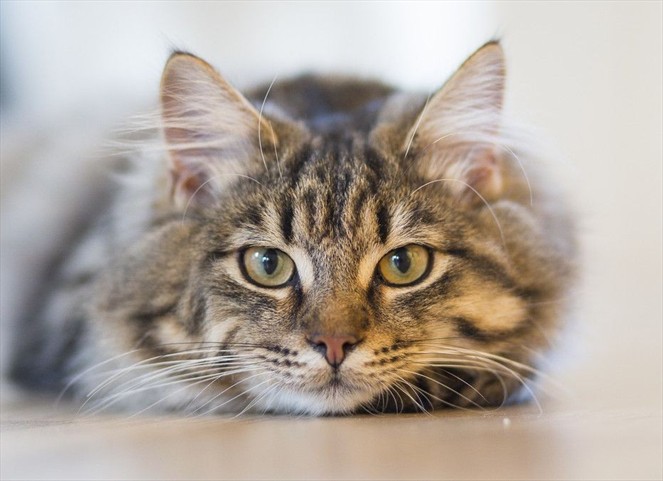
339	248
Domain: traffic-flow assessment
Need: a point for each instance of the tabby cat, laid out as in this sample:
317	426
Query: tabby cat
321	246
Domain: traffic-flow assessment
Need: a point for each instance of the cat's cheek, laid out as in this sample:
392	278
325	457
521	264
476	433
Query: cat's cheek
170	329
497	312
222	331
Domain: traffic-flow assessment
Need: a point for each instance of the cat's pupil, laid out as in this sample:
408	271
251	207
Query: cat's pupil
270	261
401	260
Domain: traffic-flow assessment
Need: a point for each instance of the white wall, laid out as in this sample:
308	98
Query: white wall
61	54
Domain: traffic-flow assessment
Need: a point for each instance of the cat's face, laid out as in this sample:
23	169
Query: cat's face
340	282
328	273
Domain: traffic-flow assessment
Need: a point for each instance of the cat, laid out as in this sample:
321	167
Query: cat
322	245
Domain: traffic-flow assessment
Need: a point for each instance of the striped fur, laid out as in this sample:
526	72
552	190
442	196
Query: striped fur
153	311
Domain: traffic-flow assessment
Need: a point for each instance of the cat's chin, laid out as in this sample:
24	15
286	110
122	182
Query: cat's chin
328	401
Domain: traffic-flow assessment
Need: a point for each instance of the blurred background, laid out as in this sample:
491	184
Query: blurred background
587	74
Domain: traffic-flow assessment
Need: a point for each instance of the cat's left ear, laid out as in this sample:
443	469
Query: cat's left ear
455	138
212	133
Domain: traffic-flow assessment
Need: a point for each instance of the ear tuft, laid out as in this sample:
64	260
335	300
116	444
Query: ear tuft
210	129
457	135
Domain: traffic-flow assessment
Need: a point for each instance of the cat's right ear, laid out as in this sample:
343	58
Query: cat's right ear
211	131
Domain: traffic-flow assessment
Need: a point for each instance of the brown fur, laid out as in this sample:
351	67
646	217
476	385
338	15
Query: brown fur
344	172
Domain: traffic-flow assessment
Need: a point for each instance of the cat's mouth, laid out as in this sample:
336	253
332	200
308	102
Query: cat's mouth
335	382
338	383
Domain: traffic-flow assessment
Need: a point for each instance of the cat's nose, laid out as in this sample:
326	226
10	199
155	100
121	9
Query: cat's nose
334	348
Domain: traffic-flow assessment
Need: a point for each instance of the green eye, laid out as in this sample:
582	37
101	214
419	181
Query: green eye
267	267
405	265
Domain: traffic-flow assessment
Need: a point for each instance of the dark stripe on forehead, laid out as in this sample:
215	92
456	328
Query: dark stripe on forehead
252	215
374	172
309	202
286	221
327	209
344	182
374	162
384	223
298	163
359	201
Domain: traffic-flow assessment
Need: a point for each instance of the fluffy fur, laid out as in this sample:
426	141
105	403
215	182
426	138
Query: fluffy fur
153	311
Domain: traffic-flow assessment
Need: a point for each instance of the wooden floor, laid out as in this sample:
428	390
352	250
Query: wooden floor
513	443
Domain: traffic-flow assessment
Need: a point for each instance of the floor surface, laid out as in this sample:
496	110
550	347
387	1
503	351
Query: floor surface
513	443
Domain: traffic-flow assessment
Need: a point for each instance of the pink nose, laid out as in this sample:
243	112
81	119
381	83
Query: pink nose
335	348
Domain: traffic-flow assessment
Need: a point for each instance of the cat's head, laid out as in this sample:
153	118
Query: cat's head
384	258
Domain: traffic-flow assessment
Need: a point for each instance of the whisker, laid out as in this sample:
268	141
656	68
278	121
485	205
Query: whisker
190	380
145	363
419	374
80	375
490	209
262	107
469	385
486	360
213	178
522	169
167	396
416	127
261	372
256	400
167	372
408	384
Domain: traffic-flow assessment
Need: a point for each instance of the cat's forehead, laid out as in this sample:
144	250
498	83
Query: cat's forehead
338	155
341	192
336	196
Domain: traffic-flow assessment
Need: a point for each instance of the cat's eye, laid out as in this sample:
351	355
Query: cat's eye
267	267
405	266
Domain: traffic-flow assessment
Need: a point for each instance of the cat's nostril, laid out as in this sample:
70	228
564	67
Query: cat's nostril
319	346
334	348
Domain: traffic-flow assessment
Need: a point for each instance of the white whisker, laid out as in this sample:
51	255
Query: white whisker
143	364
416	127
81	374
262	371
522	169
490	209
419	374
404	391
262	154
213	178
